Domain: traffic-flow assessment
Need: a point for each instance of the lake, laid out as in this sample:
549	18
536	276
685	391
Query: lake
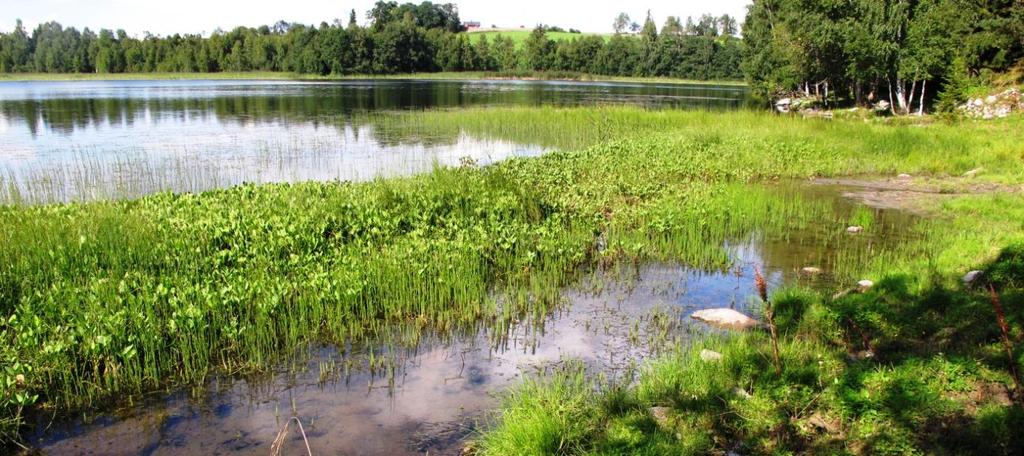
86	140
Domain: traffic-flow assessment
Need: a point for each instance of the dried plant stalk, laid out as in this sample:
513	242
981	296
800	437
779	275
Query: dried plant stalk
762	290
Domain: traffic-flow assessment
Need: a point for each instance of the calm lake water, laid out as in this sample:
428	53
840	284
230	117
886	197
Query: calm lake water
113	139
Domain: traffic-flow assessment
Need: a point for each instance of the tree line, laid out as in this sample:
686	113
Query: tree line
908	52
401	38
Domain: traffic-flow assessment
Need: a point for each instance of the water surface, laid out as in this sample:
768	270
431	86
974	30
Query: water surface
112	139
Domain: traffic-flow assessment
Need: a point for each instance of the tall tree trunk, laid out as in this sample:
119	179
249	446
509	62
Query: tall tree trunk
901	96
892	102
920	106
910	102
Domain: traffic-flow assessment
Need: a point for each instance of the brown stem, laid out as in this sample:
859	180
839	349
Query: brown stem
864	337
762	291
1007	343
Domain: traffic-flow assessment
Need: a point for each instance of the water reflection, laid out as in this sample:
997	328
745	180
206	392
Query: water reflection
440	391
100	139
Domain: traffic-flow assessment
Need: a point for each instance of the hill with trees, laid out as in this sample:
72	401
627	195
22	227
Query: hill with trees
400	38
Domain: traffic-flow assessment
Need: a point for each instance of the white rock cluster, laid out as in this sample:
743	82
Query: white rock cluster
993	106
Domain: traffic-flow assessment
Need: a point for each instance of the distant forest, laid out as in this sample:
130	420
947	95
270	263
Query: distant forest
400	38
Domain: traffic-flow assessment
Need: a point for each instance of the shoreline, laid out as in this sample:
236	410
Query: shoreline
283	76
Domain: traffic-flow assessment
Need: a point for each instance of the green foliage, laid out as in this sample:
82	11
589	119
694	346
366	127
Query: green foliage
553	415
954	91
403	38
1007	271
864	50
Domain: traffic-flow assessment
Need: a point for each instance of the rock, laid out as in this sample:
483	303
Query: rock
861	355
819	421
971	277
741	393
991	99
783	105
973	172
865	285
725	318
882	106
710	355
855	229
810	271
661	416
903	176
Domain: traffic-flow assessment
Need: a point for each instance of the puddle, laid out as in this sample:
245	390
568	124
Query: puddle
439	393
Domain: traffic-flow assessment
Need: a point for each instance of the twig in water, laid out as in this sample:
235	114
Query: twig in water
275	447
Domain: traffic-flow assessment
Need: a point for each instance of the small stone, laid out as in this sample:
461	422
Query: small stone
973	172
741	393
810	271
661	415
971	277
861	355
725	318
904	176
855	229
865	285
990	99
710	355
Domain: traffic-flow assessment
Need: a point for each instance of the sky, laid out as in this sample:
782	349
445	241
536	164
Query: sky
203	16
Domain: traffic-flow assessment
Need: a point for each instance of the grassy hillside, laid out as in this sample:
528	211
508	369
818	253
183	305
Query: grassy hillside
518	36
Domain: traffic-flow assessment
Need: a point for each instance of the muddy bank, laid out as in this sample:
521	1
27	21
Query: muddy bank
912	194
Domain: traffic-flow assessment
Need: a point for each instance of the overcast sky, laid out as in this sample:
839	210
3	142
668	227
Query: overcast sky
164	17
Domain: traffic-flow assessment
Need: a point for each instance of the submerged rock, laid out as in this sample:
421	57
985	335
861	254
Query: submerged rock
725	318
855	229
810	271
710	355
972	277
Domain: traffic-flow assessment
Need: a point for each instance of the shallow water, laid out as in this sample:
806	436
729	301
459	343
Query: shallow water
440	392
100	139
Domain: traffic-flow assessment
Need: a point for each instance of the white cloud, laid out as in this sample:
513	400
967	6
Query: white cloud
204	16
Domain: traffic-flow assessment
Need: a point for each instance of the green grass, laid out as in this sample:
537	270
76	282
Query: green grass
938	382
936	343
116	298
519	36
